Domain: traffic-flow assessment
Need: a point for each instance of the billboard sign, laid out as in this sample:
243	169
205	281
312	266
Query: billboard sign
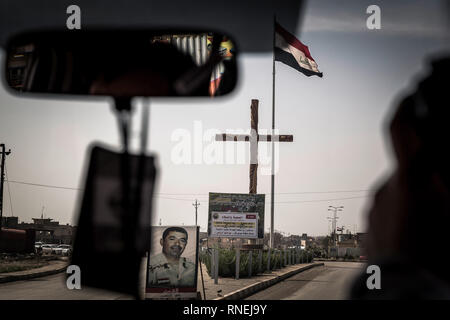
172	264
234	225
236	215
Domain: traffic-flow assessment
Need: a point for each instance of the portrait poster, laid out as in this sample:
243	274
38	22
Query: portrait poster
236	215
172	265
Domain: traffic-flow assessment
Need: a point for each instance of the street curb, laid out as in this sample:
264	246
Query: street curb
31	275
253	288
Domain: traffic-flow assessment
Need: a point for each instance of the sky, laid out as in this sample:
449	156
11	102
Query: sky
340	152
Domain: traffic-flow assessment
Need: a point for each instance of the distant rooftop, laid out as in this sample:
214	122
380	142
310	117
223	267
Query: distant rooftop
44	221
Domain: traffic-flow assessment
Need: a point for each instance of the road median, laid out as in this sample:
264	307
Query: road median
52	268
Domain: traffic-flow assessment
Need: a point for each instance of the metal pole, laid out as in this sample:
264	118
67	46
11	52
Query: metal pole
250	260
216	266
203	282
334	226
335	210
272	191
260	261
238	262
211	252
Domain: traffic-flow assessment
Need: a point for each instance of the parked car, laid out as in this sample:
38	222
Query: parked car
38	247
66	249
56	249
47	248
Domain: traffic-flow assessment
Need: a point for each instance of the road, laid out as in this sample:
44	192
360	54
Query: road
328	282
52	288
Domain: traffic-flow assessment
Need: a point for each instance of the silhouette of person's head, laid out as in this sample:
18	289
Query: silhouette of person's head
409	218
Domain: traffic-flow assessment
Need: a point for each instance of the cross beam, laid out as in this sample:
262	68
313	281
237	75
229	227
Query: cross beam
254	138
261	137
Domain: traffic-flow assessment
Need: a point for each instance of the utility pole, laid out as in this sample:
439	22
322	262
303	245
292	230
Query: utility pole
329	225
196	205
2	178
334	219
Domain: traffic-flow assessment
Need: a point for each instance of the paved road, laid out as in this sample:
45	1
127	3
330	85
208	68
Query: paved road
329	282
54	288
51	288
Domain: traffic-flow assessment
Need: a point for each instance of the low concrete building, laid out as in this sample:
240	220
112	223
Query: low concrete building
47	230
349	245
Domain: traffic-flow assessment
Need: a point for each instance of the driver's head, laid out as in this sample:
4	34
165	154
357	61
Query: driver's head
174	241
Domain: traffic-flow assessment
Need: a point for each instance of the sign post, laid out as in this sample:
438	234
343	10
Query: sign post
238	262
216	265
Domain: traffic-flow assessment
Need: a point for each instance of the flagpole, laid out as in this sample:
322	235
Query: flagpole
272	192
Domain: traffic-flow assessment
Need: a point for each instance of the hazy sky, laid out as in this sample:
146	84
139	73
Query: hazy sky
338	123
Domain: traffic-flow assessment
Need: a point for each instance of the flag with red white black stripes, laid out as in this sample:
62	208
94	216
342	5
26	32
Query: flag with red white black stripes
290	51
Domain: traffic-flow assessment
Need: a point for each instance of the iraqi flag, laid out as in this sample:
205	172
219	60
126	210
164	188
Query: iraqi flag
290	51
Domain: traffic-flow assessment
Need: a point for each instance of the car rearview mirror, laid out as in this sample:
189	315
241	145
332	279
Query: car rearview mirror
122	64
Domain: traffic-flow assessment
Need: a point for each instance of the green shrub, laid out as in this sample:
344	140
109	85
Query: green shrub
227	261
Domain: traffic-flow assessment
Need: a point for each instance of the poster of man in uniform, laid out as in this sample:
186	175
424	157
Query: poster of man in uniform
236	215
172	264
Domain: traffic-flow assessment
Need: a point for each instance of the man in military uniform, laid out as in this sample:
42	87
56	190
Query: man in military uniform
169	268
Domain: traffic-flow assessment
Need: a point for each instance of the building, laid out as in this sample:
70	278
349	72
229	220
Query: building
10	222
350	245
305	241
47	230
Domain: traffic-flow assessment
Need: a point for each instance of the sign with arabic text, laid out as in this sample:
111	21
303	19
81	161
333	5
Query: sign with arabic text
236	215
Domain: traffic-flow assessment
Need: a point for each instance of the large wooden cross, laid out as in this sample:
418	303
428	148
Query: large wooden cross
254	138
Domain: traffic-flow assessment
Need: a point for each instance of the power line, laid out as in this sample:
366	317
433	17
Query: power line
163	195
335	191
323	200
168	198
301	201
299	192
43	185
186	194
